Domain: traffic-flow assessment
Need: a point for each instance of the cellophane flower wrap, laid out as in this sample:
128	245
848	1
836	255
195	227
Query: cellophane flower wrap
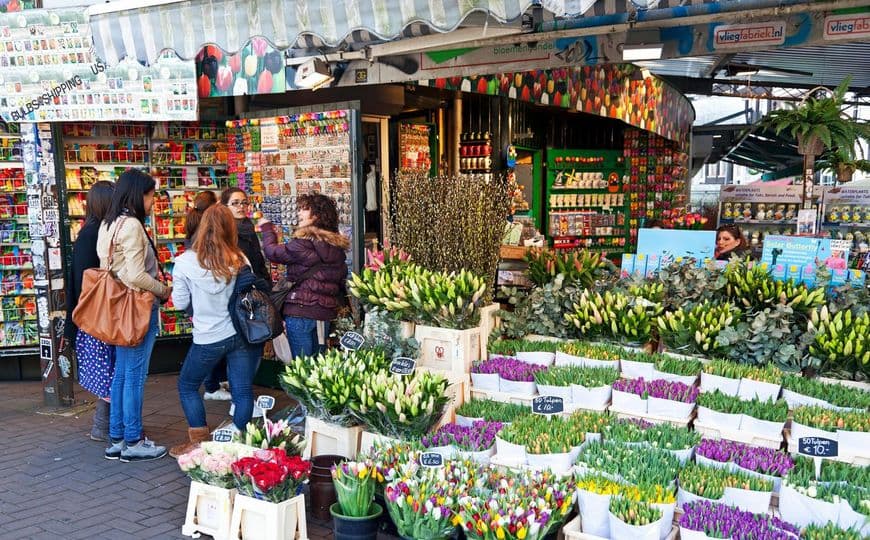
265	434
271	475
722	521
753	458
478	437
403	407
211	462
422	505
355	483
659	388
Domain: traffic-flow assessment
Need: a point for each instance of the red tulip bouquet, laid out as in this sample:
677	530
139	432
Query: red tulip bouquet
271	475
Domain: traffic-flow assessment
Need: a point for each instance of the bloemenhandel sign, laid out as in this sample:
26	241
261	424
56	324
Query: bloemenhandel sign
733	36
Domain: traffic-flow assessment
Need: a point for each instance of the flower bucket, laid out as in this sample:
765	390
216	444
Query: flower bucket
669	408
594	509
620	529
635	370
481	457
254	519
510	452
757	502
628	403
751	389
796	400
558	463
540	358
667	520
466	421
854	443
688	380
684	497
517	388
591	398
710	383
719	420
801	510
850	519
761	428
563	392
486	381
355	528
209	510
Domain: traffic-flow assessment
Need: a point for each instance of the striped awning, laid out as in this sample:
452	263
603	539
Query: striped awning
121	29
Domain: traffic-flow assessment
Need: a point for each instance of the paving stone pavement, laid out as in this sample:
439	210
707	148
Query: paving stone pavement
55	483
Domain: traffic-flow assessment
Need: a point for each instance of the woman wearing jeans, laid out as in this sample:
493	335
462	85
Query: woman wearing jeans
204	278
134	262
316	245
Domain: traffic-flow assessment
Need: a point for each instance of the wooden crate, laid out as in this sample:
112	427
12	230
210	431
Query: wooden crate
254	519
715	432
489	320
209	511
323	438
447	349
368	440
573	531
654	419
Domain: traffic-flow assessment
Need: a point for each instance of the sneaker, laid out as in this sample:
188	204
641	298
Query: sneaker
218	395
144	450
225	385
114	451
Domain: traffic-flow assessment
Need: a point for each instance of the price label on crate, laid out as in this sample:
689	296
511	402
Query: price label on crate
266	402
403	366
817	447
431	459
351	341
548	405
222	435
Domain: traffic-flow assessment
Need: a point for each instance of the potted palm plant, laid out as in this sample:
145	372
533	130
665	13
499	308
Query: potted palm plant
356	514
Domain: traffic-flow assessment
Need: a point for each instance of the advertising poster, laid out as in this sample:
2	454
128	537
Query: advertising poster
257	69
793	257
671	244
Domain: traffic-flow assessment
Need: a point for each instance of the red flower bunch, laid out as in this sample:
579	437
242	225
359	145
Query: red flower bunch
691	221
271	475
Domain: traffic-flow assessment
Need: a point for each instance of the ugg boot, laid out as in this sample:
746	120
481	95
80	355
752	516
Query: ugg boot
100	429
196	436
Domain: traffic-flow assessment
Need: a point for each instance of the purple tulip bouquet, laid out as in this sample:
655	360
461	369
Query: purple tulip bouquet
657	398
660	388
480	436
751	458
704	519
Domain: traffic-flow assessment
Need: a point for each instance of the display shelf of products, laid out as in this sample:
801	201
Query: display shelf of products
415	146
846	216
475	153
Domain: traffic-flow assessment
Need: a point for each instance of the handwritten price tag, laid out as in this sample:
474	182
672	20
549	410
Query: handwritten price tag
548	405
222	435
817	447
431	459
266	402
351	341
403	366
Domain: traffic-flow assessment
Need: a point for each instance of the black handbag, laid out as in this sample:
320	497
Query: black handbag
285	286
254	315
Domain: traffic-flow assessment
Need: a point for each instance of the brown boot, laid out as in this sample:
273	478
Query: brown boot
196	435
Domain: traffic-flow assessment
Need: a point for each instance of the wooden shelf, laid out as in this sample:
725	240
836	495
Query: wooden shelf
515	252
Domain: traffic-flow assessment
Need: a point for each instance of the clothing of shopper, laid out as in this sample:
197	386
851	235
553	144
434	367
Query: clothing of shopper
204	278
215	383
314	302
134	262
95	359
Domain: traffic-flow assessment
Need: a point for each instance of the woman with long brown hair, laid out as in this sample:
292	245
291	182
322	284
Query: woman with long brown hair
204	278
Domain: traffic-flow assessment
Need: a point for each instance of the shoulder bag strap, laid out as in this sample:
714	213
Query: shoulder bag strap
120	220
307	274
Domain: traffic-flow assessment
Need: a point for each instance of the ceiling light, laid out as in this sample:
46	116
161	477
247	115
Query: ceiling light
642	45
313	74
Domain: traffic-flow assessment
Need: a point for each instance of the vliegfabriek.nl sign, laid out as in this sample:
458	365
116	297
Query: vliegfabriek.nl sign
850	26
734	36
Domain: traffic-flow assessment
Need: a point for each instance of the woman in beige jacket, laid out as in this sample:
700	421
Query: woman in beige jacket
134	262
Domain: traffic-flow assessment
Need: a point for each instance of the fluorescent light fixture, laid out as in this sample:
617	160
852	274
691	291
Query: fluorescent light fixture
642	45
313	74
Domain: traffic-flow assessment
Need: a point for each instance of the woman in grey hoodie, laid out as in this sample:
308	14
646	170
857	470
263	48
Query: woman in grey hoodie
204	279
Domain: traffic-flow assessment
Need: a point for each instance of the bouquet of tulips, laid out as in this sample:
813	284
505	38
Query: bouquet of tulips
393	461
491	410
660	388
271	475
399	406
542	435
478	437
678	366
834	472
773	411
832	420
838	395
355	483
268	434
325	384
722	521
211	463
723	368
639	465
710	482
422	506
508	368
752	458
634	512
648	493
664	436
830	532
593	351
589	377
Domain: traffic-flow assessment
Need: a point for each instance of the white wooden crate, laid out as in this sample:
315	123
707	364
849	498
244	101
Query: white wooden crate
323	438
254	519
573	531
447	349
209	511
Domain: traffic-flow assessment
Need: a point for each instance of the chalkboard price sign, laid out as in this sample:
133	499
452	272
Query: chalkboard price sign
266	402
403	366
817	447
222	435
548	405
431	459
351	341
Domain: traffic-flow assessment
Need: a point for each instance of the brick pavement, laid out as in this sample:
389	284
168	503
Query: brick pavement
55	483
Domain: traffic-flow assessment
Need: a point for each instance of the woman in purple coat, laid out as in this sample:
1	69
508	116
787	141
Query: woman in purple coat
317	248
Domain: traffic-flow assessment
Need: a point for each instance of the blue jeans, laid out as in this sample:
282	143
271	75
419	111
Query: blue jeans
302	336
128	386
218	374
200	361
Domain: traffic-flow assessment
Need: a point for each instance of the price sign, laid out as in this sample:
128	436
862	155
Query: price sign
222	435
266	402
548	405
351	341
431	459
403	366
817	447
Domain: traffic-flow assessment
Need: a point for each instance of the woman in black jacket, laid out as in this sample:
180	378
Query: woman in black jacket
95	359
238	203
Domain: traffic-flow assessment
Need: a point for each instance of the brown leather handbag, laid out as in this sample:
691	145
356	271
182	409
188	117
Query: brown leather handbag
109	310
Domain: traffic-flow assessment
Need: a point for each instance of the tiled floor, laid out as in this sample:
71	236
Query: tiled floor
55	483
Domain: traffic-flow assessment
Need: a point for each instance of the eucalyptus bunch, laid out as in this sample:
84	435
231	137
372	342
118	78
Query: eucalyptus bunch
403	407
686	283
768	336
541	311
841	344
694	331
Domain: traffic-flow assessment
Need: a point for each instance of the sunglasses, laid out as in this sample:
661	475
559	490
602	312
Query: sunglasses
240	203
